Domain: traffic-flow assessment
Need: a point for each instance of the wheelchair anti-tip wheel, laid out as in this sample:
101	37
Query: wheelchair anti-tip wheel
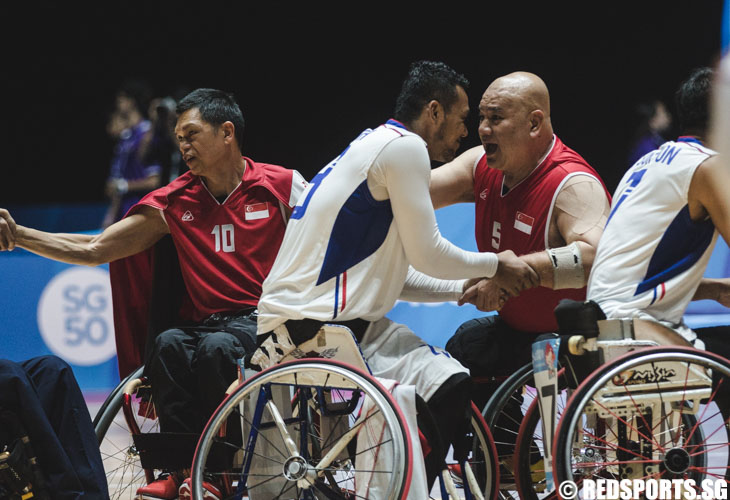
306	429
655	413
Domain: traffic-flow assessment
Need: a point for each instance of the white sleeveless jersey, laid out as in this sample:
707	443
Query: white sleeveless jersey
652	256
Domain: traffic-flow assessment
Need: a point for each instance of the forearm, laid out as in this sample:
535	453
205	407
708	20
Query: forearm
420	287
70	248
712	289
126	237
544	265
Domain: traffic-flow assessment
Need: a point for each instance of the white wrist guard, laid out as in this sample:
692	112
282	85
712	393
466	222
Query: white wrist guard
567	267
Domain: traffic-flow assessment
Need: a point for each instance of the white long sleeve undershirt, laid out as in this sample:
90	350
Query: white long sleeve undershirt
402	174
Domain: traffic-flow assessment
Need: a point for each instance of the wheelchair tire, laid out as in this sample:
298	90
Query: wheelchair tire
623	395
241	452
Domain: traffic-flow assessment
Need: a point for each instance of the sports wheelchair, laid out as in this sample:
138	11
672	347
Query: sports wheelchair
632	401
318	425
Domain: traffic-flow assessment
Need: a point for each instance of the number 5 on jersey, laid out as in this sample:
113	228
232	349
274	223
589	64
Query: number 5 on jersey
224	238
496	234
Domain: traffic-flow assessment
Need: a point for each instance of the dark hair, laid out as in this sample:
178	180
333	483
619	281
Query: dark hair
692	100
216	107
427	81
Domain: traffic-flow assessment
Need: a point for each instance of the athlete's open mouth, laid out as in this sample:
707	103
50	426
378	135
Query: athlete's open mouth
490	148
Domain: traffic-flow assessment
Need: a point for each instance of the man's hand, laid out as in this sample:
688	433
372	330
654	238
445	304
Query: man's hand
8	230
485	295
513	274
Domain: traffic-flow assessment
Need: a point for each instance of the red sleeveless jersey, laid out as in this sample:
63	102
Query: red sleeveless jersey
519	221
225	249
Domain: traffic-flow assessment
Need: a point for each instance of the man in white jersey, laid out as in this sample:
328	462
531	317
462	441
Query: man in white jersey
663	225
364	234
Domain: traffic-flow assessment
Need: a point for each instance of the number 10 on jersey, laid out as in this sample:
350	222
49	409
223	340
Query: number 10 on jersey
224	238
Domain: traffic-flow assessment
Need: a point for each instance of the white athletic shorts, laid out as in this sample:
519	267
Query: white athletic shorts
394	352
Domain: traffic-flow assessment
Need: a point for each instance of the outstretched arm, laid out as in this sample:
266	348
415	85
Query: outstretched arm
405	174
127	237
453	182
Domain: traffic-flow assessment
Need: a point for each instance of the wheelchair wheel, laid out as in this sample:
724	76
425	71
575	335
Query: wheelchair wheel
483	473
124	472
504	413
659	412
306	429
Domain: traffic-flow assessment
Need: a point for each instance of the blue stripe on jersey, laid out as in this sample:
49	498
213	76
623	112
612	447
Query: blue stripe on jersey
396	123
360	228
680	248
689	139
337	296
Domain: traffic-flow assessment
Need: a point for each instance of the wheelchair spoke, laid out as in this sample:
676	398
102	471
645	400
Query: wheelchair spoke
719	428
623	421
612	445
704	410
263	436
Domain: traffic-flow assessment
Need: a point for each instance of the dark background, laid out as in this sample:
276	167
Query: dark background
310	77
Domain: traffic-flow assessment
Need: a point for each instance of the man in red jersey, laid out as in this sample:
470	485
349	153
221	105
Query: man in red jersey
226	218
535	196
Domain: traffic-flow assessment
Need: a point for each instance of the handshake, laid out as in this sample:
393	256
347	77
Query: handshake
513	276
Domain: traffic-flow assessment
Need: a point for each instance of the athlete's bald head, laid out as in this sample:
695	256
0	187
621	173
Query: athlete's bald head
525	88
514	123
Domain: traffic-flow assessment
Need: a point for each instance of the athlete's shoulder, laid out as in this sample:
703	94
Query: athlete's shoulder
564	155
274	174
160	197
566	161
284	183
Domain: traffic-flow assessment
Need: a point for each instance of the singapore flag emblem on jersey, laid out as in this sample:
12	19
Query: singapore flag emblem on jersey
524	223
257	211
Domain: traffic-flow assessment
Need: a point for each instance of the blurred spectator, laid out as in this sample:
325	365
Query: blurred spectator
654	121
130	177
159	146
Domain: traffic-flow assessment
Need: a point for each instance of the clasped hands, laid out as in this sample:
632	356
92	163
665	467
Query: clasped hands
512	277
